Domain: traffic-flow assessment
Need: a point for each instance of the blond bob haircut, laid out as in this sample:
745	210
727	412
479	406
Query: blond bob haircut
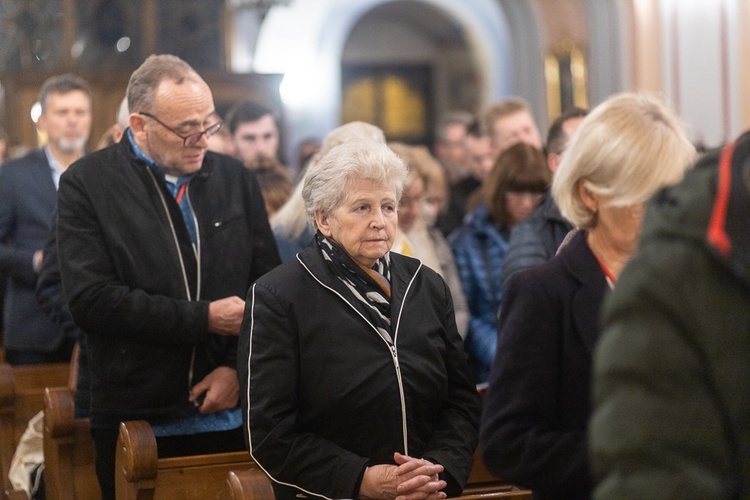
627	148
326	184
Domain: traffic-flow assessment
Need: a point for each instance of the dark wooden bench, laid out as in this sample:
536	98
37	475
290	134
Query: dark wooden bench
22	397
69	471
141	475
253	484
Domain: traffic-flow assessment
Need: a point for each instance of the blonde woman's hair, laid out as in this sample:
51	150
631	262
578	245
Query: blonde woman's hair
627	148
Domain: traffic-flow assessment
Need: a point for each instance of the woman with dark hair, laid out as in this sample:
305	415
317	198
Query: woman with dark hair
509	193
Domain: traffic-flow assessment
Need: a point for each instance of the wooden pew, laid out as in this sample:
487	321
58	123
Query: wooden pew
140	474
253	484
21	397
69	471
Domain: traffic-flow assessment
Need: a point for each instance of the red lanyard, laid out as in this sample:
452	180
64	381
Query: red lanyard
611	277
180	193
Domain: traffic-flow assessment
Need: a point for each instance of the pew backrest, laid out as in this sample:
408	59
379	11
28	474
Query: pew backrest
69	468
254	484
22	397
140	474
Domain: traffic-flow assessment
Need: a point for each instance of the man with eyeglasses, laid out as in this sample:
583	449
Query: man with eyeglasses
159	241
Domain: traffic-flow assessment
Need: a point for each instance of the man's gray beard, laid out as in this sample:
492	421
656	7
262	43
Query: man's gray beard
74	146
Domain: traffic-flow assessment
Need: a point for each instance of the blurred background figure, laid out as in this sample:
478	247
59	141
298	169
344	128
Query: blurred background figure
538	400
4	146
28	193
536	239
509	122
274	182
221	141
113	135
424	195
510	192
671	416
306	152
254	131
450	151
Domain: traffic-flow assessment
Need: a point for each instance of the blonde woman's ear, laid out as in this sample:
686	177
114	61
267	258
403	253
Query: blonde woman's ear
588	198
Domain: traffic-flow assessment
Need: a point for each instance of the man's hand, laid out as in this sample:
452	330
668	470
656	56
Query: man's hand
220	390
225	316
411	479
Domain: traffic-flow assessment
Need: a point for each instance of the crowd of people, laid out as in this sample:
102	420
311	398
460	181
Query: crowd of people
341	324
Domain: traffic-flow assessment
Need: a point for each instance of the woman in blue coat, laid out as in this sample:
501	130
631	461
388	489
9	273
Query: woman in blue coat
510	192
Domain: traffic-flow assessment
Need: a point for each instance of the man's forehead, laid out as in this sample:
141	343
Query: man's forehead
189	101
262	125
68	96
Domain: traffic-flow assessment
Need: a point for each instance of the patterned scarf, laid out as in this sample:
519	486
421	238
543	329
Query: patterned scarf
370	288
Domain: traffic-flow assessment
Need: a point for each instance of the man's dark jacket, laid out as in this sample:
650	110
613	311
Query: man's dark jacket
536	238
27	206
136	286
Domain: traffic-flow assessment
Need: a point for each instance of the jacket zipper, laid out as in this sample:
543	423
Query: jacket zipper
197	251
182	262
391	347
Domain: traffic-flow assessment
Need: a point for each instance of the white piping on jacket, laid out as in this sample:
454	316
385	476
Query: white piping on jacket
182	262
247	418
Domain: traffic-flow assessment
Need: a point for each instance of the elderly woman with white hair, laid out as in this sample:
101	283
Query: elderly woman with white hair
354	381
537	406
289	224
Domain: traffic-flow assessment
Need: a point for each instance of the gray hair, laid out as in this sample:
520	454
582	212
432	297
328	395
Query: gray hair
628	147
454	117
326	184
145	80
291	219
62	84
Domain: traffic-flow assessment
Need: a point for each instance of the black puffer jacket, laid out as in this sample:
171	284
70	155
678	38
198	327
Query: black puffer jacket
324	395
135	285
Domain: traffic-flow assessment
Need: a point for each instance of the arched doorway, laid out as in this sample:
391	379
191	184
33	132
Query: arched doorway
306	42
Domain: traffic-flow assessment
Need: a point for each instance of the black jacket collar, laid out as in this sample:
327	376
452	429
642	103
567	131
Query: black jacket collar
579	261
403	270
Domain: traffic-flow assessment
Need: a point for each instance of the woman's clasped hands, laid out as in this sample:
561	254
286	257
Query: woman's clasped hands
410	479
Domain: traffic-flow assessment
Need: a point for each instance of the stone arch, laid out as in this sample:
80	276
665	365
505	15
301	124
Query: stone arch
304	41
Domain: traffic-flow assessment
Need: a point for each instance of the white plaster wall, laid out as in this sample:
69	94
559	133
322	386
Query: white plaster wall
701	59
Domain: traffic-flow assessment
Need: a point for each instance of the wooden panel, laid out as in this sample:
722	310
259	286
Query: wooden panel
108	89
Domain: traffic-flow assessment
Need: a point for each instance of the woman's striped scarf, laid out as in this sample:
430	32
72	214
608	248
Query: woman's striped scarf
370	288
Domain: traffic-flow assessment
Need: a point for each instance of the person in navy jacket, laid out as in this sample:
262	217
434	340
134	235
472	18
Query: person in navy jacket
28	191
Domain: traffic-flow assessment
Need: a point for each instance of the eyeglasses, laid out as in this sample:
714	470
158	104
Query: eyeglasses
191	140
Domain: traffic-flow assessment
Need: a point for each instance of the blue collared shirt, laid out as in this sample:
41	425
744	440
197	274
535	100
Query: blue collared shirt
174	184
54	166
